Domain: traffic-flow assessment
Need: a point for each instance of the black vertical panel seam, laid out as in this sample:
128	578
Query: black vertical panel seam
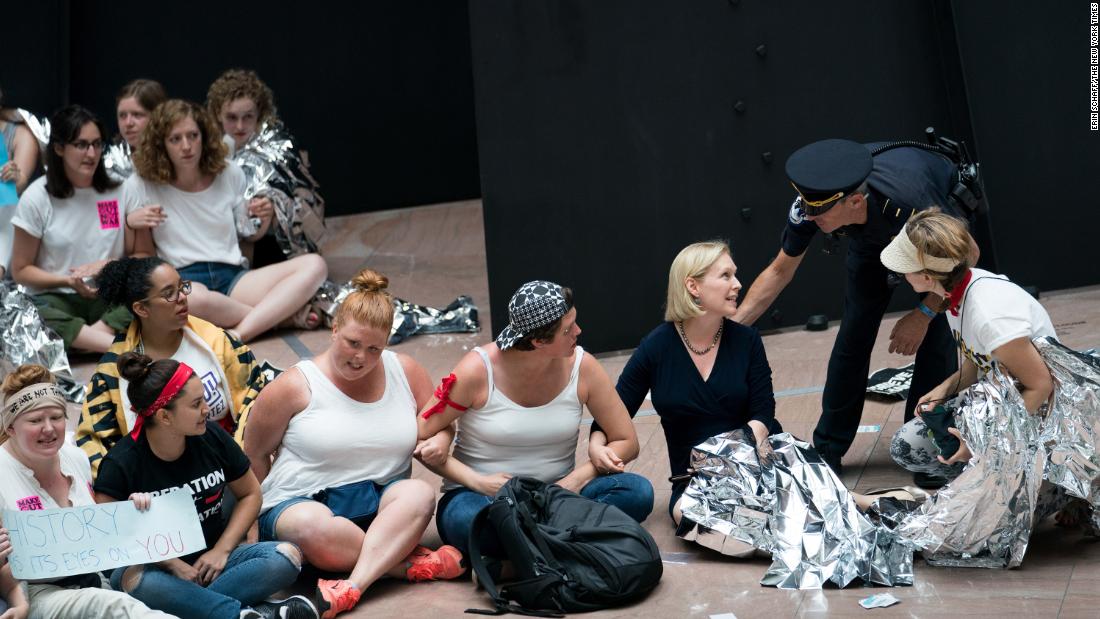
944	14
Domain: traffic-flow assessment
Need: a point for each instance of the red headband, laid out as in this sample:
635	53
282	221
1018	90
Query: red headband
178	380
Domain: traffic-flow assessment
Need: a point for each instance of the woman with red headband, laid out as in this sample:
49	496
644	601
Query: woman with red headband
172	446
39	470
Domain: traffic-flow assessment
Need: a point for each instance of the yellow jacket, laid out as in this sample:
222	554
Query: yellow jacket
102	419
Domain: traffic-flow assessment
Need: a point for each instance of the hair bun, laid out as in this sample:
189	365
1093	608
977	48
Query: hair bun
134	366
25	375
369	280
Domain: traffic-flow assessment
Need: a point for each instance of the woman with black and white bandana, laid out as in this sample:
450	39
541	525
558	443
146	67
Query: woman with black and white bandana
518	404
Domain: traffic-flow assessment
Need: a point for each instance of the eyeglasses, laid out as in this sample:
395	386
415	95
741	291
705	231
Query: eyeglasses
173	294
84	145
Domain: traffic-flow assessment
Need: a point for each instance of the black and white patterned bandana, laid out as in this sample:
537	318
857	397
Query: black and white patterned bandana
536	304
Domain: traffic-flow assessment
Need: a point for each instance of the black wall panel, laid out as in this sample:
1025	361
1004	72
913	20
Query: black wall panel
1027	76
379	93
609	139
34	73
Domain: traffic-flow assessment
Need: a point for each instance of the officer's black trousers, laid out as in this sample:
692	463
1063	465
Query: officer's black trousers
865	302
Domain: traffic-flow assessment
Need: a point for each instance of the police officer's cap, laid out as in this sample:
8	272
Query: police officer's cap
826	171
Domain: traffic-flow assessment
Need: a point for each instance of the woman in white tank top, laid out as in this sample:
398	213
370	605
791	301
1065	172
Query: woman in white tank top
342	431
518	404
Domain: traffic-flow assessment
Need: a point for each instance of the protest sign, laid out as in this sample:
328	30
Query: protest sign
52	543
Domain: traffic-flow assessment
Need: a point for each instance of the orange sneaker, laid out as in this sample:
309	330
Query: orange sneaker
442	564
335	596
417	553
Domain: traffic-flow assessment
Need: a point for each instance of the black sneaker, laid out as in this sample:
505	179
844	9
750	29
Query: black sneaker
929	482
294	607
248	613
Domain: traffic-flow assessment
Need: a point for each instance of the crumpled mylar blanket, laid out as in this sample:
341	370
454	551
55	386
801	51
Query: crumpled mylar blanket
118	161
24	338
985	516
409	319
40	127
792	505
274	168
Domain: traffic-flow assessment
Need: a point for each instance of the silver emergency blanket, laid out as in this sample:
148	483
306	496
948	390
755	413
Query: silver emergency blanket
274	168
790	503
409	319
40	127
118	161
985	516
24	338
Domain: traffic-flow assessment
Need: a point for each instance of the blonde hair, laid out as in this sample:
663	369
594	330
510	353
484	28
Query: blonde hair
937	234
369	303
22	377
692	262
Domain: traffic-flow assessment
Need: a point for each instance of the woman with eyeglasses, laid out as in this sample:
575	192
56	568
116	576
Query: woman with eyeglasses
181	167
68	224
156	296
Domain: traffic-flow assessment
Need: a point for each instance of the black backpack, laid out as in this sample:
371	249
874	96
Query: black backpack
570	553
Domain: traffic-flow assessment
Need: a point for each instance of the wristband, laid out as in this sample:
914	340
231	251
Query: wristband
925	310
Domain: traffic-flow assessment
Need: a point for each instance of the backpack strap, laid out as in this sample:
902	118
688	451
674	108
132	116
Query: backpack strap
501	606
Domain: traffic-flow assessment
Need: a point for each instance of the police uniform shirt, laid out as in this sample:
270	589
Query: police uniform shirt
902	181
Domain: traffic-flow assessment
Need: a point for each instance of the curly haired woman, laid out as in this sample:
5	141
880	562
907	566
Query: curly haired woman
181	168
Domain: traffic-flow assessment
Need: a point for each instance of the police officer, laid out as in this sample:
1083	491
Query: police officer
842	188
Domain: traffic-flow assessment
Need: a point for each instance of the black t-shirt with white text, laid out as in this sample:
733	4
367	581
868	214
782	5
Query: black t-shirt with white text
209	463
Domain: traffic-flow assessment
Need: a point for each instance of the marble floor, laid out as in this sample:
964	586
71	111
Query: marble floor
433	254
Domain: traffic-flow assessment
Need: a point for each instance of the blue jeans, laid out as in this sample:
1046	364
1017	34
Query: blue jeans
252	573
456	511
216	276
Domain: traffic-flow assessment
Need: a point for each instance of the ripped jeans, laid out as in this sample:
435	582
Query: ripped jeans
252	573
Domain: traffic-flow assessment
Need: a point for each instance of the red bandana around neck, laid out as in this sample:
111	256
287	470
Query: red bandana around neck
956	294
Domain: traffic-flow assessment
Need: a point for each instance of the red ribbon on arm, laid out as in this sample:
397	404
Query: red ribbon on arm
441	393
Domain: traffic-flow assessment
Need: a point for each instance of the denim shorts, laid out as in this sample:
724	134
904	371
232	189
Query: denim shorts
270	517
216	276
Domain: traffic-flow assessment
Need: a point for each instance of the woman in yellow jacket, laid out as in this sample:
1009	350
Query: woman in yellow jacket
162	328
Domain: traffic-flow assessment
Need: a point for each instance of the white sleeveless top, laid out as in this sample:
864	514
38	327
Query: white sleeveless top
504	437
337	440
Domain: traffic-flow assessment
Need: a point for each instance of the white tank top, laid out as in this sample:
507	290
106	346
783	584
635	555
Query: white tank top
504	437
337	440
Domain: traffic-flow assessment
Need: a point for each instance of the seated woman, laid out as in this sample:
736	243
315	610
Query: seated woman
993	320
342	429
68	225
519	403
156	296
181	167
133	105
39	470
18	162
174	445
707	374
275	168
